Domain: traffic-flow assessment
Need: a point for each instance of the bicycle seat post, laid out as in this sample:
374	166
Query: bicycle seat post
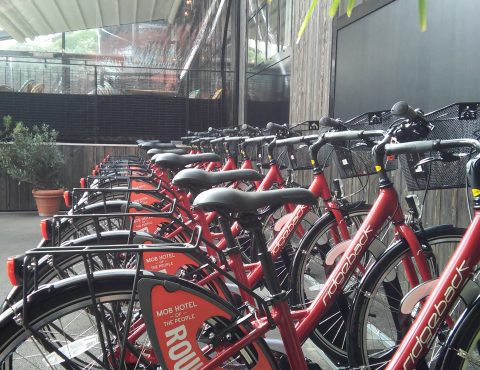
233	252
252	223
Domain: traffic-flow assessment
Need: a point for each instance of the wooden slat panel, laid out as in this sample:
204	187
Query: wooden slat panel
79	161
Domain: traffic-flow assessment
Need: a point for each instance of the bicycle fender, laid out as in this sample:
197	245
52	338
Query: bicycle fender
375	247
468	294
391	250
175	313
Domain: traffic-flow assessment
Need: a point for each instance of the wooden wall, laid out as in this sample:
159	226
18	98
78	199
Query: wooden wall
310	74
309	100
79	161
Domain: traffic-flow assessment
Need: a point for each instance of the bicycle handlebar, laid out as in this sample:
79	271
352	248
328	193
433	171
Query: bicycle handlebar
213	130
235	138
296	140
230	131
259	139
251	129
217	140
275	127
403	110
430	145
333	123
352	135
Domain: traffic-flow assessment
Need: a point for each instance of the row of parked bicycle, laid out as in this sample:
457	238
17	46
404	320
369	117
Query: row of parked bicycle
183	261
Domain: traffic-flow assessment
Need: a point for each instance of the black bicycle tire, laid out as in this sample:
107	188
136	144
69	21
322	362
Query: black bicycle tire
461	339
322	226
391	257
66	296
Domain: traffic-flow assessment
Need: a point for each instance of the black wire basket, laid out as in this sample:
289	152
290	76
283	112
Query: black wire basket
353	158
296	156
458	120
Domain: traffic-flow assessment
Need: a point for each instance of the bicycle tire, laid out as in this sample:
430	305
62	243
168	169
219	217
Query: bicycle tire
329	334
462	350
72	299
384	275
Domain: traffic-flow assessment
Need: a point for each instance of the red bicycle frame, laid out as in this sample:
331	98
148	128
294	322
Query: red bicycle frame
386	206
460	267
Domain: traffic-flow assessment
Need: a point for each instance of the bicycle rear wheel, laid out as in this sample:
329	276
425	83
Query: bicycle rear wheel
71	326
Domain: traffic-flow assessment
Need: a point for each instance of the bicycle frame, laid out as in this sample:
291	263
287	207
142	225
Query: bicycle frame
386	206
319	187
459	269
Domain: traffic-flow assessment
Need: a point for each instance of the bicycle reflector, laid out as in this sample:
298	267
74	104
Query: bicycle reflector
83	183
14	270
67	198
46	228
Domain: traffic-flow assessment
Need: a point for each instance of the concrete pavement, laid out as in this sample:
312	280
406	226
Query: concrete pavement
19	231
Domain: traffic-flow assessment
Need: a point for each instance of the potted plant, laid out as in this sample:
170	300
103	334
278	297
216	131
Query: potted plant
31	155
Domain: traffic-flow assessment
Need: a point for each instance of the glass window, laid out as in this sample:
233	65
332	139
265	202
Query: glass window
82	42
269	29
49	43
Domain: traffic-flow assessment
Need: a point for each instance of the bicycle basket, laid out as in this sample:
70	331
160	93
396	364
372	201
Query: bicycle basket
297	156
280	154
458	120
300	155
352	157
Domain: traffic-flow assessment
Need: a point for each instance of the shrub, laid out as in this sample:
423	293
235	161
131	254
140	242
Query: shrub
30	154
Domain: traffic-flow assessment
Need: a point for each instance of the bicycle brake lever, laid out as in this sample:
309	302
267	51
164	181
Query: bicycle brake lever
442	157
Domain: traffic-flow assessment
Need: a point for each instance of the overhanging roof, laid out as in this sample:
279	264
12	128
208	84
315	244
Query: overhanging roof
23	19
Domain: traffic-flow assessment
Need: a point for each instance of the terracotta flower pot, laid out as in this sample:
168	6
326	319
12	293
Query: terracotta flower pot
48	201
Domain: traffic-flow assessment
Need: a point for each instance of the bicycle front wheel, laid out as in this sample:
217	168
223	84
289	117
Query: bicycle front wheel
463	349
309	273
376	322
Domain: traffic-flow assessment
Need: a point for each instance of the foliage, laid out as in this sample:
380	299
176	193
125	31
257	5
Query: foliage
30	154
422	12
80	42
7	129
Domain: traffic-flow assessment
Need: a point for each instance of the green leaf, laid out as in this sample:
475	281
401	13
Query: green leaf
306	20
422	12
334	7
350	6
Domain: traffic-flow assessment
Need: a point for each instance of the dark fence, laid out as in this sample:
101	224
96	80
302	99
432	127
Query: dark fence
113	118
113	103
79	161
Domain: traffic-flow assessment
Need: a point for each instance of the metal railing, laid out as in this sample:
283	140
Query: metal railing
57	77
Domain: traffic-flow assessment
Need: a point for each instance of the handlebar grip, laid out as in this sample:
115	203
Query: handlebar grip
275	127
246	127
413	147
214	130
403	110
333	123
